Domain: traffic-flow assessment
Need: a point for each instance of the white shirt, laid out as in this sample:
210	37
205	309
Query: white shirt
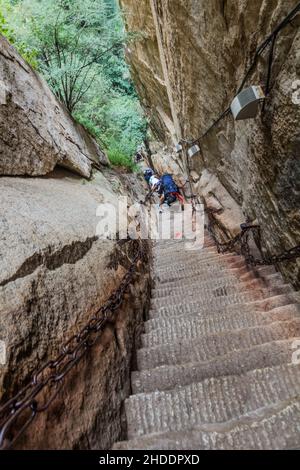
153	181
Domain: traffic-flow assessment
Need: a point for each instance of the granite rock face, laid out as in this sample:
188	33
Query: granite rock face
203	50
36	131
55	274
56	271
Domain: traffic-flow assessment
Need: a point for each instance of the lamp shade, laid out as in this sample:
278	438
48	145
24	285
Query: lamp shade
246	104
193	151
178	148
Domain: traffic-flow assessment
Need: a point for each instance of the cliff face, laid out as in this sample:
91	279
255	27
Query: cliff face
55	271
188	73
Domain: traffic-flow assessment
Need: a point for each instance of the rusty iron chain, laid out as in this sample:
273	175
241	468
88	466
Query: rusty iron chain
242	239
19	412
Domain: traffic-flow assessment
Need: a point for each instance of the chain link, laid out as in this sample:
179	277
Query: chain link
17	414
242	239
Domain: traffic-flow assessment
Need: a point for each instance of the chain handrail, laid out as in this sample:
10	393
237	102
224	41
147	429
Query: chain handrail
243	239
48	380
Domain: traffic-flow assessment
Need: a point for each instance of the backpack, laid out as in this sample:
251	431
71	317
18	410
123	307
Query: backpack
169	185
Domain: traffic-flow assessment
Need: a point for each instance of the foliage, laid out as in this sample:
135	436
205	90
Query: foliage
78	47
118	157
28	53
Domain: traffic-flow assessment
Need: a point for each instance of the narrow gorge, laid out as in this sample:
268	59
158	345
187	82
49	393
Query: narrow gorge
147	344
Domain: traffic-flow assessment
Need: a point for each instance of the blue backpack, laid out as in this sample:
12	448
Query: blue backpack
169	185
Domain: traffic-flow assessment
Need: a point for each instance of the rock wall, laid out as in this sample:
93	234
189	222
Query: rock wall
203	50
36	131
55	271
55	274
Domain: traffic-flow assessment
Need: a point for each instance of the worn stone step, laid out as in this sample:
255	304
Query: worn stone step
211	401
261	305
195	279
194	260
176	275
236	317
242	274
216	299
277	429
181	246
199	276
183	256
208	291
204	286
171	272
233	316
195	256
168	377
242	282
224	340
156	351
216	271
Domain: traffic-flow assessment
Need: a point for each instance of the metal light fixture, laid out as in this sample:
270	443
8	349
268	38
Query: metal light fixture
246	104
178	148
193	151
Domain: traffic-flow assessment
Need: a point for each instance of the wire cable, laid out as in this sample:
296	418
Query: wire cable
271	39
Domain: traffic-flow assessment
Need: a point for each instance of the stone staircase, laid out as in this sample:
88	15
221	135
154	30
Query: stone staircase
215	369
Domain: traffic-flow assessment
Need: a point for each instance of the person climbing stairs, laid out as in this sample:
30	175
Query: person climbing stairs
216	368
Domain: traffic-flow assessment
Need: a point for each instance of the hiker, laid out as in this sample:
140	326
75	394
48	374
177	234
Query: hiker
148	173
154	183
138	157
169	192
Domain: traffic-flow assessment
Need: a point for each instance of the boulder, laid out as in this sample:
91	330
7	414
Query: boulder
36	131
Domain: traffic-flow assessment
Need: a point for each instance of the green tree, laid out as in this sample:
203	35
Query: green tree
28	53
71	37
79	50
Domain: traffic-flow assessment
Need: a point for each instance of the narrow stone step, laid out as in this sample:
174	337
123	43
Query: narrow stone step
242	274
215	271
181	248
194	256
216	299
233	318
196	279
204	348
199	277
177	275
166	244
194	261
191	308
204	286
208	266
198	285
174	257
214	400
168	377
276	430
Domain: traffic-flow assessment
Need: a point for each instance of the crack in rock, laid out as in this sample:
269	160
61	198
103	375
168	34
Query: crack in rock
69	254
